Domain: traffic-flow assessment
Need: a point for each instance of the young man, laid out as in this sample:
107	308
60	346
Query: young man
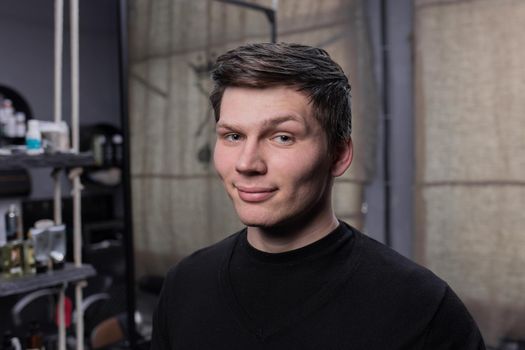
296	277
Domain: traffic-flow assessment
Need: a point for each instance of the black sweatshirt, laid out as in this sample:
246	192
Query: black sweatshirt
345	291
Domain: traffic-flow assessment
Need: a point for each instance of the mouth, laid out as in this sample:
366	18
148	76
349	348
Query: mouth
255	194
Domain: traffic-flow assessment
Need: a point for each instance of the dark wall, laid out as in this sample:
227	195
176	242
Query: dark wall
27	62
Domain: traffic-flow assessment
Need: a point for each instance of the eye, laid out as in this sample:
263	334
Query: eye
232	137
283	139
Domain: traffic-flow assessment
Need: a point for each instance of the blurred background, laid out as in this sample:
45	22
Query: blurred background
438	129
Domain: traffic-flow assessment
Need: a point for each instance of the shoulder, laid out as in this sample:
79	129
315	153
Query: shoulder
378	259
203	262
187	284
383	260
452	326
395	282
400	286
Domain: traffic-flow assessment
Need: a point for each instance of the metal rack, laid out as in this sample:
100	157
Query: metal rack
75	273
56	160
73	161
24	284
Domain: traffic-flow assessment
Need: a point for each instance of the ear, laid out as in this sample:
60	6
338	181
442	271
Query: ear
343	158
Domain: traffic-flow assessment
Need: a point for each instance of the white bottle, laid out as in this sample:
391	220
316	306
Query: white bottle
8	118
10	126
33	138
6	110
20	124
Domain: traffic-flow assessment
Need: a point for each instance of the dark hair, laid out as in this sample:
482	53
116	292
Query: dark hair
308	69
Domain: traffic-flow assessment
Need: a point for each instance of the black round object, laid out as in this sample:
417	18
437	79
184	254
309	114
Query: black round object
19	103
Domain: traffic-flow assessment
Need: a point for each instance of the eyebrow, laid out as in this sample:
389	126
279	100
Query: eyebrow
272	122
279	120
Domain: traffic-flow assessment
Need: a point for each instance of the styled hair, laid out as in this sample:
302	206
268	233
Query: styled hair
307	69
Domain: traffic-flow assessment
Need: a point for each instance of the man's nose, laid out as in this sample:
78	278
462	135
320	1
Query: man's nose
251	160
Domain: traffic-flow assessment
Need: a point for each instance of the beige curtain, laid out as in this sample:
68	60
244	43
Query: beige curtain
470	115
178	203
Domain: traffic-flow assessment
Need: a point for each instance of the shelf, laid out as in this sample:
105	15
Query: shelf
70	273
57	160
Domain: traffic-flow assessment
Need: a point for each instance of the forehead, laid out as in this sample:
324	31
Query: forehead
254	105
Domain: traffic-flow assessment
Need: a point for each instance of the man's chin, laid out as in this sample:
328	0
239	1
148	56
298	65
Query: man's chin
263	219
266	224
259	221
250	222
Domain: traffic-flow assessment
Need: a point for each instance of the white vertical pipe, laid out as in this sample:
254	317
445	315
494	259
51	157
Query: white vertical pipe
57	110
77	242
59	38
77	255
74	120
74	74
57	205
77	226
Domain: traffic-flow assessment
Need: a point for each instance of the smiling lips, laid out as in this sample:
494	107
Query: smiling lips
255	194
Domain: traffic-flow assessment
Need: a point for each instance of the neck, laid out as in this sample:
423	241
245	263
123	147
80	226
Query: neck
292	236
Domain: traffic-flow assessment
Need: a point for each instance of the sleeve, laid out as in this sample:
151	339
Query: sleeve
452	327
159	337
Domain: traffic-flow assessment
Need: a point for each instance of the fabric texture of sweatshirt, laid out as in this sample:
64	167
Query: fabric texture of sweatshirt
345	291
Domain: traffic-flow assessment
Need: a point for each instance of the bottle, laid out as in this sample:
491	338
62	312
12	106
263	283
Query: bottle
107	152
57	242
33	138
63	143
41	248
8	118
10	342
12	251
29	262
20	124
12	222
98	149
10	126
34	340
117	149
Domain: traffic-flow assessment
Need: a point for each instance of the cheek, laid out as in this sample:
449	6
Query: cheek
317	174
223	160
218	162
308	175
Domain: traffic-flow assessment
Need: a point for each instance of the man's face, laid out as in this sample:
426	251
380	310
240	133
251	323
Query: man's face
272	156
